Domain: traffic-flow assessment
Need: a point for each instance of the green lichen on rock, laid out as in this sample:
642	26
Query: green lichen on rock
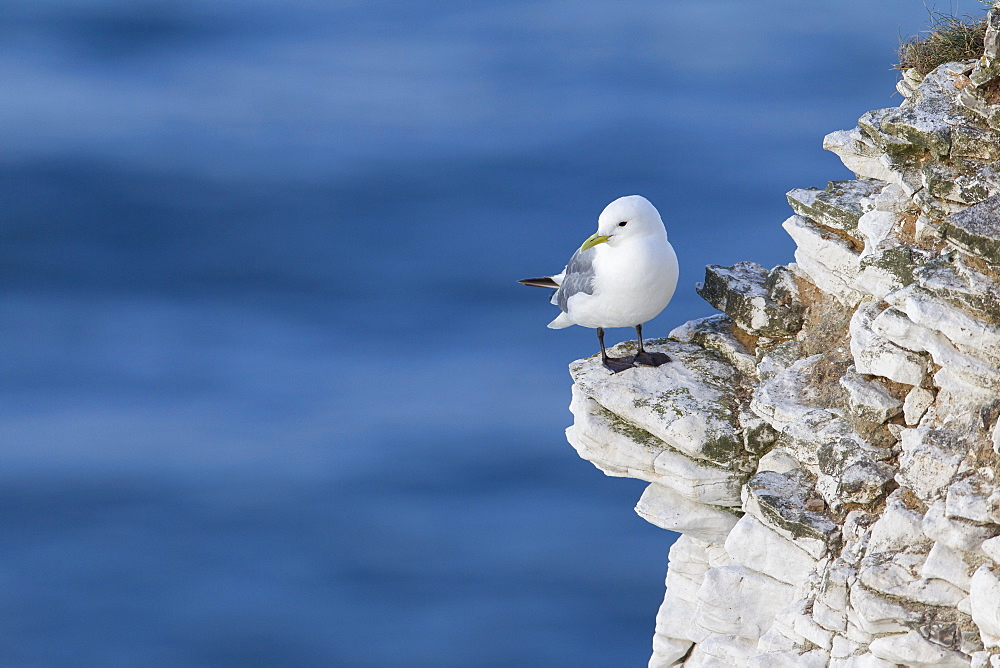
690	403
901	152
757	300
838	206
671	400
976	230
782	498
718	333
922	124
625	428
759	437
974	141
948	277
899	262
966	182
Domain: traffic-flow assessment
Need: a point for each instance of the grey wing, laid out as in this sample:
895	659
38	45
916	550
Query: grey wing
579	278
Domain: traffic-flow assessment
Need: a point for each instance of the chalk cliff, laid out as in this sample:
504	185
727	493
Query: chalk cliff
829	444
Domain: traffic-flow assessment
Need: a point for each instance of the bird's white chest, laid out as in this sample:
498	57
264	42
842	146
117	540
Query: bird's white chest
632	285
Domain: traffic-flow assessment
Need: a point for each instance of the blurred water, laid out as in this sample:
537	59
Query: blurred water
270	395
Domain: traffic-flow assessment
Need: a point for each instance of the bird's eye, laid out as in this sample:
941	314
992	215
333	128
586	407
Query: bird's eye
623	223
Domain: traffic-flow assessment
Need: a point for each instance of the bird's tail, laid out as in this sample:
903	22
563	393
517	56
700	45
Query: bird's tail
543	282
561	321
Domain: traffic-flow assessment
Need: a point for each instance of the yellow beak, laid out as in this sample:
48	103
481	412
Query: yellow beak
594	239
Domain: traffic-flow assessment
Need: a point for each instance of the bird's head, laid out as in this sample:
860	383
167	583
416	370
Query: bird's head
626	218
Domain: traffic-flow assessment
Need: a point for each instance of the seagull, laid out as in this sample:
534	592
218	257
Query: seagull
622	276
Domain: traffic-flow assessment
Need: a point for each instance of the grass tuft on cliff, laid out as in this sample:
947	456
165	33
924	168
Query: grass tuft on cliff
948	38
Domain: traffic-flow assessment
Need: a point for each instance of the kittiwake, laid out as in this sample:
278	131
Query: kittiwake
622	276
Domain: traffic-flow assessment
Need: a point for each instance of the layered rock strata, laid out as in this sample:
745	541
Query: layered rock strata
828	446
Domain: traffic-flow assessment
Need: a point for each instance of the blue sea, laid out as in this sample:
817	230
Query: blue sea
270	395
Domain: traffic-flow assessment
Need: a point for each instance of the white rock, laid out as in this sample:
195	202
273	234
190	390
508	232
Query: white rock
837	578
779	639
784	623
876	225
722	652
688	563
929	462
779	501
852	472
828	618
673	619
843	648
620	448
926	232
867	660
758	435
970	334
913	77
955	383
717	555
688	403
778	460
876	355
804	625
668	651
991	548
900	577
857	526
715	333
894	325
874	614
947	564
685	575
995	437
954	533
776	358
854	632
876	280
798	570
735	600
756	546
662	506
804	437
975	498
869	400
985	660
910	649
782	398
985	599
825	259
892	199
904	89
917	401
897	528
790	659
857	155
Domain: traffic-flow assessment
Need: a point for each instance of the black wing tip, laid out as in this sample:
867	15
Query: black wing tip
543	282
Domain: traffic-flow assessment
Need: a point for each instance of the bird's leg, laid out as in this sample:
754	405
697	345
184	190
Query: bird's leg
616	364
648	359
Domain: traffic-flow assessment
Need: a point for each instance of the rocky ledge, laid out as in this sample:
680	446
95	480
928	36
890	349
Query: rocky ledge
828	446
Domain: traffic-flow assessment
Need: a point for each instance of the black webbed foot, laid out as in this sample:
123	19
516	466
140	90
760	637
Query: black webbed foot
618	364
650	359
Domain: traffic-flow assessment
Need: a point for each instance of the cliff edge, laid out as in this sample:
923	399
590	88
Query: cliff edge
829	444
